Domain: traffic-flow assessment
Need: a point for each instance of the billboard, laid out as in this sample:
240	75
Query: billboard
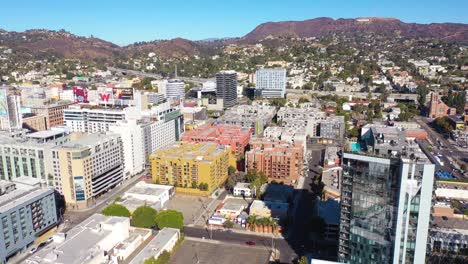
79	188
3	103
106	96
80	95
123	93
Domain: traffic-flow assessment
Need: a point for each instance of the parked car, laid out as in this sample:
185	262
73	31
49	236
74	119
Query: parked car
250	243
33	250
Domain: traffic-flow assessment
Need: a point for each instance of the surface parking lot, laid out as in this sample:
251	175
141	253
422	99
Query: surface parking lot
190	206
215	253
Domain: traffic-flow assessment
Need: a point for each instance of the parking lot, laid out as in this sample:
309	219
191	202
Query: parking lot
209	253
190	206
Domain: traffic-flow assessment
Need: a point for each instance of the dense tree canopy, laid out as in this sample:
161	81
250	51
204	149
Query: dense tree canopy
170	218
144	217
116	210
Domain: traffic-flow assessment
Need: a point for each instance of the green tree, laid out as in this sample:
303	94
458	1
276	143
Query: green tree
231	170
302	260
162	259
443	124
116	210
170	218
228	224
144	217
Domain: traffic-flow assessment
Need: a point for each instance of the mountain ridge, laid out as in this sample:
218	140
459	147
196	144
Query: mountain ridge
60	43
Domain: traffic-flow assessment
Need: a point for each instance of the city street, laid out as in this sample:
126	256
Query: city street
447	151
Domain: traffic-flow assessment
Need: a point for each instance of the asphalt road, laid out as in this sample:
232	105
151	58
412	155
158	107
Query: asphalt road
449	151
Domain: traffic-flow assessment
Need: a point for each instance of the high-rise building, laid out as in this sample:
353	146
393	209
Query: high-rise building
142	137
10	111
386	200
89	167
175	89
280	161
27	210
189	164
271	82
226	87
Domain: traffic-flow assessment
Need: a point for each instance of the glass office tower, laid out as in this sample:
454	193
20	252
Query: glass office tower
385	208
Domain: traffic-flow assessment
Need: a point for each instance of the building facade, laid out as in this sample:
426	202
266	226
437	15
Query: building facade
53	112
89	167
189	164
27	209
385	208
175	89
226	88
233	136
35	122
92	120
30	156
437	108
271	82
10	111
280	161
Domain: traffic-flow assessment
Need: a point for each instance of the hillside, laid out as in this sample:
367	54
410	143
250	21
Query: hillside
318	27
61	44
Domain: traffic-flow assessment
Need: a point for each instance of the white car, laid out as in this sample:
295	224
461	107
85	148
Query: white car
33	250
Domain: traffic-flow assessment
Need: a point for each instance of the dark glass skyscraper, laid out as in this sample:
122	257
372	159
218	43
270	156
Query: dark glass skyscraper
226	87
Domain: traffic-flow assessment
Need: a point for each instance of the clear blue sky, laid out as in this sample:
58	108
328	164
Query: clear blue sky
124	22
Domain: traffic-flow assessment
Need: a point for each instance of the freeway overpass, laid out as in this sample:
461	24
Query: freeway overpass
158	76
396	96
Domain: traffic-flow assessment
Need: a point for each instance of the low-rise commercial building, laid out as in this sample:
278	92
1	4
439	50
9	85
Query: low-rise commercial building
269	209
142	193
98	239
192	165
242	189
279	160
165	240
27	209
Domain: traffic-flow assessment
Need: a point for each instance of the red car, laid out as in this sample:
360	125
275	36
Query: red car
250	243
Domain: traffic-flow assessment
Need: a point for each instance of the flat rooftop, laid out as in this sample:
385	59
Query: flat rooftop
80	244
155	245
45	134
27	189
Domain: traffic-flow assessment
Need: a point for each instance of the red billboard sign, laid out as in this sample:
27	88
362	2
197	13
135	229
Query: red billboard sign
80	95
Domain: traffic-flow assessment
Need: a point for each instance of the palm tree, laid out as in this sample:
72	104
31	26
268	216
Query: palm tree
251	221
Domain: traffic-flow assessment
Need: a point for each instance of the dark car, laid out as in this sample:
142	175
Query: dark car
250	243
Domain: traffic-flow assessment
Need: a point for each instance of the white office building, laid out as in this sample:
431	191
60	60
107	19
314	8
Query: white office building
142	137
271	82
10	111
92	120
175	89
